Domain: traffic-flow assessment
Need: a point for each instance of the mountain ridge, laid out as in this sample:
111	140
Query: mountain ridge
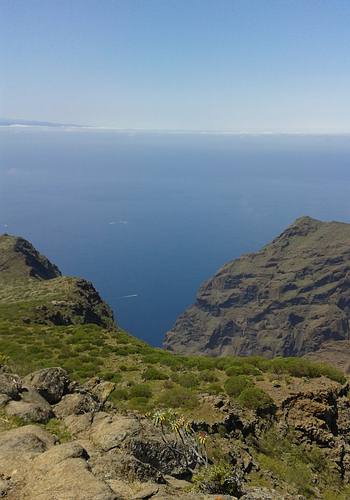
287	299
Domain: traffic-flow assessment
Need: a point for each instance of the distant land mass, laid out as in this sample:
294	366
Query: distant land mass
8	122
292	298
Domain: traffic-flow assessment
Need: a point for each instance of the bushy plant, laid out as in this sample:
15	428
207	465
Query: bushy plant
235	385
140	391
139	403
111	376
254	398
119	394
214	389
152	373
178	397
299	367
218	478
208	376
188	380
242	369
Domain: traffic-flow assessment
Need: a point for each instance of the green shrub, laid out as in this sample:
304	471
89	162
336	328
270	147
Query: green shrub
188	380
299	367
242	369
178	397
139	403
235	385
119	394
208	376
141	391
256	399
152	373
168	384
111	376
218	478
214	389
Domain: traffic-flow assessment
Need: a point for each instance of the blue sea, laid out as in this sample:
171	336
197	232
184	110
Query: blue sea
147	217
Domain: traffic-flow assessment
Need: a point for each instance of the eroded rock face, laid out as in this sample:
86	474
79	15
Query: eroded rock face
288	299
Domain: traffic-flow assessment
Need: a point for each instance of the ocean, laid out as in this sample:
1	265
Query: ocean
147	216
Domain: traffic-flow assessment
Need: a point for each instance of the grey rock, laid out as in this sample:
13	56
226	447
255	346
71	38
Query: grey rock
29	412
62	473
146	492
51	383
111	431
31	408
10	385
4	399
99	388
76	404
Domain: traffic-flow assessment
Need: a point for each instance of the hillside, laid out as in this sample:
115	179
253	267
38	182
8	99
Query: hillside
289	299
122	420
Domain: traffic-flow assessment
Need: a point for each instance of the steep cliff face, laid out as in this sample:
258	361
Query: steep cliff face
19	259
289	299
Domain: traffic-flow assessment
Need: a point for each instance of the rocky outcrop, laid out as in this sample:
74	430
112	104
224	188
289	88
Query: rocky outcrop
288	299
29	277
51	383
107	454
18	258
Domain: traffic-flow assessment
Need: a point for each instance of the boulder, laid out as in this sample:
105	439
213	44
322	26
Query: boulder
31	408
10	385
76	424
117	465
146	492
76	404
63	474
51	383
19	446
110	431
99	388
58	454
170	458
29	439
29	412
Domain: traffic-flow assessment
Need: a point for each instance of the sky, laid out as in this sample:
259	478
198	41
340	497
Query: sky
253	66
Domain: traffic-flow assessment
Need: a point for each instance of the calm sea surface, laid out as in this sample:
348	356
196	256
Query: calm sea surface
148	217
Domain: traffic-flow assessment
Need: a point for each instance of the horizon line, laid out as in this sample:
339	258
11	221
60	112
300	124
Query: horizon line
77	128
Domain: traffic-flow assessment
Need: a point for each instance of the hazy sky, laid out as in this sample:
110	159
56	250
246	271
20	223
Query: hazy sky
240	65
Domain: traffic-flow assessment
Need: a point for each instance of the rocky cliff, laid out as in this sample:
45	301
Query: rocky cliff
35	287
289	299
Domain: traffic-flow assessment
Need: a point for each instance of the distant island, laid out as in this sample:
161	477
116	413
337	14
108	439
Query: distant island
12	122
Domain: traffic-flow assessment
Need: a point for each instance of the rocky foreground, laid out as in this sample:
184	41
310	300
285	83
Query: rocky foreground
289	299
60	440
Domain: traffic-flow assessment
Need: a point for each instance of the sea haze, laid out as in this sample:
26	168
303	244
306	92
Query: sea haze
147	217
